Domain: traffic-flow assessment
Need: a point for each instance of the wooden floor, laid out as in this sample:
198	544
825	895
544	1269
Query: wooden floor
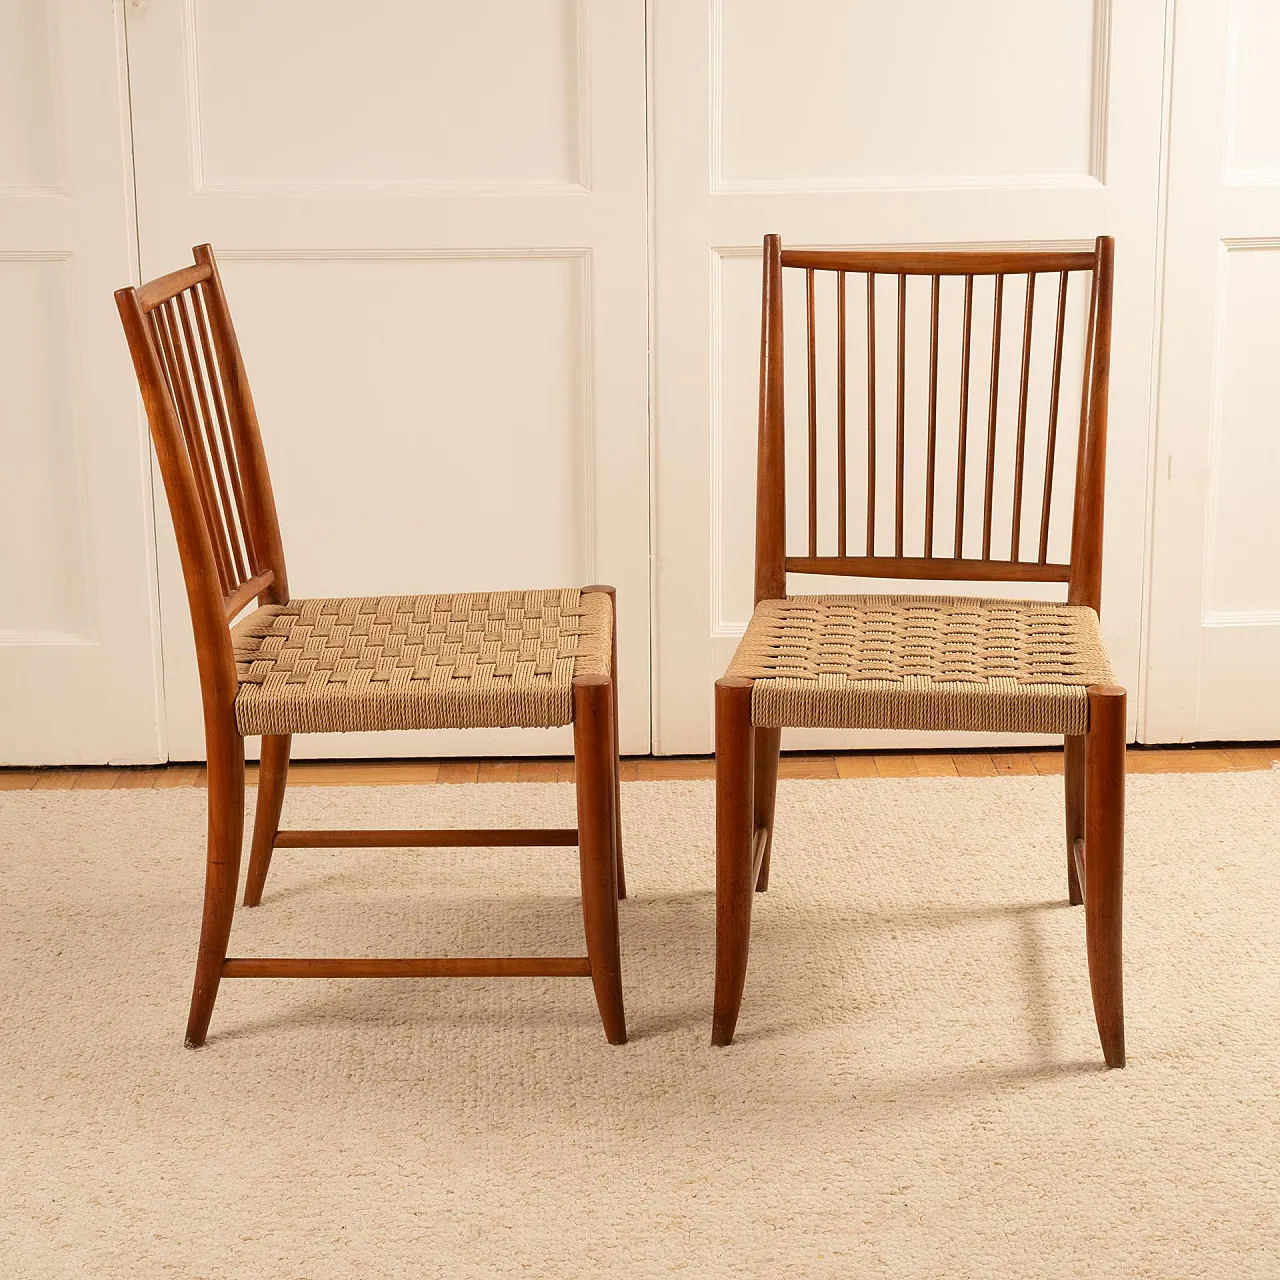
892	764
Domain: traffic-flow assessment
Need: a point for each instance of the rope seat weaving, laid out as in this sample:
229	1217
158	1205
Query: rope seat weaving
497	659
922	662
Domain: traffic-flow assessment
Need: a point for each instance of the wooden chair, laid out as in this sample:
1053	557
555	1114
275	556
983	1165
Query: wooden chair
930	662
528	658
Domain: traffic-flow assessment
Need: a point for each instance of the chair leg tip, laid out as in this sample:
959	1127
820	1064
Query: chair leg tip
190	1042
722	1032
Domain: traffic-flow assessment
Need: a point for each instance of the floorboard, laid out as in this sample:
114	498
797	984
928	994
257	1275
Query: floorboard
1215	758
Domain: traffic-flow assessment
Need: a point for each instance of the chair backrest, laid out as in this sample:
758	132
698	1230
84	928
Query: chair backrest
210	452
966	511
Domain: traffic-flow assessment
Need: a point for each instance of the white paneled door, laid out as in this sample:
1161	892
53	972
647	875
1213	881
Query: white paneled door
432	226
79	653
831	123
1215	608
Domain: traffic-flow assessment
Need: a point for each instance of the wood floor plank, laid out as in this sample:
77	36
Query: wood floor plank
807	767
935	764
96	779
975	764
1178	760
1048	763
364	773
628	771
1013	763
539	771
667	770
181	775
135	778
56	780
17	779
1253	757
459	771
860	765
499	771
898	764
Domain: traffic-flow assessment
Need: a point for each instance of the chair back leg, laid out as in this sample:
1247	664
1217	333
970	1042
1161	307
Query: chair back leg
1104	864
1073	774
768	743
273	772
222	872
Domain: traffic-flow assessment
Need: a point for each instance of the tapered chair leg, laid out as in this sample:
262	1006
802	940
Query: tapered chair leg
1104	864
596	775
273	772
768	744
222	874
735	814
1073	773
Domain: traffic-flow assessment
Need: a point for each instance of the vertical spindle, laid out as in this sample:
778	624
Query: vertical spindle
931	463
841	464
1055	390
993	406
813	418
1028	315
962	445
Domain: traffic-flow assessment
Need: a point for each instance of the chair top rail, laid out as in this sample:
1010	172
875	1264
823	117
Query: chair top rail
160	290
941	262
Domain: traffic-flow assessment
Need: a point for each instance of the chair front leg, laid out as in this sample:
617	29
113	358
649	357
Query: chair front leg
222	870
273	772
735	817
595	771
1104	864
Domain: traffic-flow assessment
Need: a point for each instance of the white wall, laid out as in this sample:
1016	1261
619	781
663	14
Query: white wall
401	189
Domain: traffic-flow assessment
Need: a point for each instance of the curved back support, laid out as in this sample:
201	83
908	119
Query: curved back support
209	448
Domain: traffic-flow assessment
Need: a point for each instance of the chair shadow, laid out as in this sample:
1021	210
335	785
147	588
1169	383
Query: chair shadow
803	953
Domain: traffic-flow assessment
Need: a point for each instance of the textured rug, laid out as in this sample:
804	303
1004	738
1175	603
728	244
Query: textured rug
917	1088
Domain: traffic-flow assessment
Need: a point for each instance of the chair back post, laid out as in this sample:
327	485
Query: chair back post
1085	585
214	654
259	496
771	502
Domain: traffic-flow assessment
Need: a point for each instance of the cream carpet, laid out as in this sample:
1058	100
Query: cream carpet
917	1089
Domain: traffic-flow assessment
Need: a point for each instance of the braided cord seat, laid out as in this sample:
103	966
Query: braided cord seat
922	662
496	659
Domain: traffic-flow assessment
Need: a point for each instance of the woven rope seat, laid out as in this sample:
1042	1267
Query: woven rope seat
463	661
922	662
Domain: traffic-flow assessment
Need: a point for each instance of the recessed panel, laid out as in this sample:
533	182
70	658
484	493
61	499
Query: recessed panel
975	431
42	573
1245	533
29	156
829	93
301	92
428	413
1255	90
